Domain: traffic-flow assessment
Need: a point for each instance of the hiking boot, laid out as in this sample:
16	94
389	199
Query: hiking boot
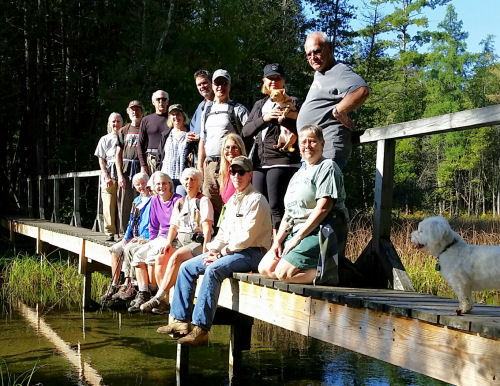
162	308
197	337
110	238
127	293
109	294
150	304
142	297
176	328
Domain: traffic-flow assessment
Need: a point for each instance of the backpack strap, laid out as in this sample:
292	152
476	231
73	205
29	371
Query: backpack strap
235	123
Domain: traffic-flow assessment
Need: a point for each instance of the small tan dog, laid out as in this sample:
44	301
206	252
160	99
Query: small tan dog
286	139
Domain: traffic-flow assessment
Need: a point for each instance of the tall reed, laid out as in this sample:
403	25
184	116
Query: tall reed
35	280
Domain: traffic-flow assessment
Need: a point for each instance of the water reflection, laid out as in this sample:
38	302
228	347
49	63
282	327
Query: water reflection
125	350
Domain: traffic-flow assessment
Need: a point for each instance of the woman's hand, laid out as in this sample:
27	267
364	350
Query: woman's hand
273	114
276	251
165	248
291	243
109	181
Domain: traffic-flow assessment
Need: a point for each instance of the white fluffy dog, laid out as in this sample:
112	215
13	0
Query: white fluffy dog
465	267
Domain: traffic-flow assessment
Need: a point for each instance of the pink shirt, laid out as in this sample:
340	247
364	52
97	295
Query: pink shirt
228	191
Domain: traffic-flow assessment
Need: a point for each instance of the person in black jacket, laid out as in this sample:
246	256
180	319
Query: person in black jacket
273	168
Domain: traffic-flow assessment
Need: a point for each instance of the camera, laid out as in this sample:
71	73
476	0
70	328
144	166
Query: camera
197	237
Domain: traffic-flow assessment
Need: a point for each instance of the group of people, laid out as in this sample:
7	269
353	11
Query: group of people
208	208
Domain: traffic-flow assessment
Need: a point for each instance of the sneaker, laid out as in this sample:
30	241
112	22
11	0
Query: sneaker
142	297
197	337
109	293
129	292
162	308
150	304
110	238
176	328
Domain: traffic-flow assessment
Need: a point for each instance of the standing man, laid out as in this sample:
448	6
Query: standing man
152	126
243	238
221	117
127	163
335	92
203	80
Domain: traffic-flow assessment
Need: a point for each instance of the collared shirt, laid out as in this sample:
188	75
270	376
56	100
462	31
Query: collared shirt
195	124
175	151
246	224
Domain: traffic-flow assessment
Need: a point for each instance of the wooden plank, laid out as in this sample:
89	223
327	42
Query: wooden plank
26	230
438	352
469	119
282	309
98	252
91	173
67	242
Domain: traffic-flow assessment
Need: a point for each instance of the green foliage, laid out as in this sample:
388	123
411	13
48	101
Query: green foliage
54	283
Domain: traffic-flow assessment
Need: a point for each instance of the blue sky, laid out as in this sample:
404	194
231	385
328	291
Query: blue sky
480	18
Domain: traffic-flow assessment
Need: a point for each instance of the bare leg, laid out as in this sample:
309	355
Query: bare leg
141	274
151	273
174	263
267	266
115	266
288	273
161	264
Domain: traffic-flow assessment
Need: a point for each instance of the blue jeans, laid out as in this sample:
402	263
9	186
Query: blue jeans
206	304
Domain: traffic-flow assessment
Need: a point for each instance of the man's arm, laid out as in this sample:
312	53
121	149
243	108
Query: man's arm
201	154
351	102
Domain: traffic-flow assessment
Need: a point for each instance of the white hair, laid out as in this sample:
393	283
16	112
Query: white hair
188	172
140	176
159	94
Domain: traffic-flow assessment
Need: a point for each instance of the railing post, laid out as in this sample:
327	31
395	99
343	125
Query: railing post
98	222
75	220
55	210
30	197
41	197
384	179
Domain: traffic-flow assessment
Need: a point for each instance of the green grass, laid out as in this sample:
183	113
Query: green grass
49	283
22	379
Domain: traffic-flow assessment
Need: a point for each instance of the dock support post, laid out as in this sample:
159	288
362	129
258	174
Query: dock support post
181	364
241	338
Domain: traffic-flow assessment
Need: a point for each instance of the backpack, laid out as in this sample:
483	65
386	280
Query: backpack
230	111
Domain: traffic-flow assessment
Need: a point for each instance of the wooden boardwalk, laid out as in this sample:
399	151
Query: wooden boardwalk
416	331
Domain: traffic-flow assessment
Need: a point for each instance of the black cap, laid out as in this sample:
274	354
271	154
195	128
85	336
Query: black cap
273	69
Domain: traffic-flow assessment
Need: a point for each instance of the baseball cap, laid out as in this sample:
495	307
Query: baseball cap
221	73
273	69
135	103
244	162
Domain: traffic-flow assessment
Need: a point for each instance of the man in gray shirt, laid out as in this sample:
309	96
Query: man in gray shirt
335	92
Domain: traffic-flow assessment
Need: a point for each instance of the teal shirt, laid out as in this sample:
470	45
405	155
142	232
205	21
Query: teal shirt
310	183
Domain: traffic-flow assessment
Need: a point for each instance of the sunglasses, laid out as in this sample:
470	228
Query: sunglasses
314	53
241	172
161	99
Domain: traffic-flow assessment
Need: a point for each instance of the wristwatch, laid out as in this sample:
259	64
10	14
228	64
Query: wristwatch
334	111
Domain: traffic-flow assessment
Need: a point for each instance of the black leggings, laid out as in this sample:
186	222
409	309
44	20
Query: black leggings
272	183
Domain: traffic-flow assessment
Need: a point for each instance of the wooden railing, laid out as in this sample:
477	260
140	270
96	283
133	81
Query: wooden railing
379	262
56	178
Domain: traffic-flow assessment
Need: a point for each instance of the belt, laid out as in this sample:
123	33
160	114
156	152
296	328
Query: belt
213	158
152	151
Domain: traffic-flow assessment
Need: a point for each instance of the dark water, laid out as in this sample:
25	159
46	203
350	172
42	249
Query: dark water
125	350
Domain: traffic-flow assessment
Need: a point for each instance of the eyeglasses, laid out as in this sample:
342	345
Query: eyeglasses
314	53
241	172
221	83
161	99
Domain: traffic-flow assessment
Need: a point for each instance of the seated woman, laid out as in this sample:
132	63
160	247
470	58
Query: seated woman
190	231
144	257
315	196
177	146
137	231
